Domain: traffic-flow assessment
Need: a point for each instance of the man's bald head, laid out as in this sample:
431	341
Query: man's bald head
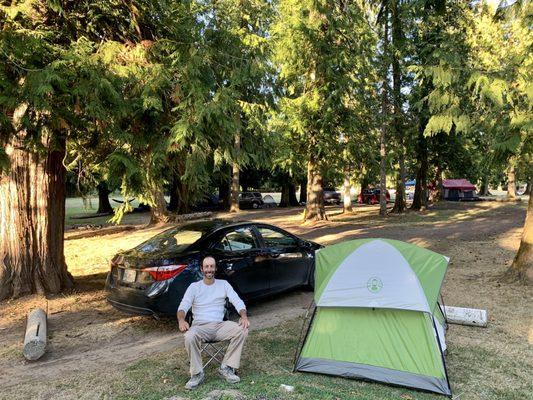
209	261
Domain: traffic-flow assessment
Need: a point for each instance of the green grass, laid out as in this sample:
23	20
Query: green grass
475	373
268	360
76	206
267	363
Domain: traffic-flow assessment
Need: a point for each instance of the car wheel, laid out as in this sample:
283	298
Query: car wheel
255	205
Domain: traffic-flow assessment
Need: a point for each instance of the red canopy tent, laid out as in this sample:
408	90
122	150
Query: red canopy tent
461	184
458	189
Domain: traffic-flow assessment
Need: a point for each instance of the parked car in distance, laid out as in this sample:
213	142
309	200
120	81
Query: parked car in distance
210	203
250	200
257	259
371	196
331	196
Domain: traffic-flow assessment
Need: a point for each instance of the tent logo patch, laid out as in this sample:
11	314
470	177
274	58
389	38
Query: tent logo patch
374	284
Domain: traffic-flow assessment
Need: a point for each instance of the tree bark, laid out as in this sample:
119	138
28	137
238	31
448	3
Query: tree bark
314	209
527	192
383	136
158	210
484	189
347	203
293	201
420	196
104	206
399	202
284	202
183	199
234	203
32	219
303	191
173	205
511	181
522	266
439	190
224	192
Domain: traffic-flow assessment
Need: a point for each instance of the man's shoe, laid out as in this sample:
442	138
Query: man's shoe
228	374
195	381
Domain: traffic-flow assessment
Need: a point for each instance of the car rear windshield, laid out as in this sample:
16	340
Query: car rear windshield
175	240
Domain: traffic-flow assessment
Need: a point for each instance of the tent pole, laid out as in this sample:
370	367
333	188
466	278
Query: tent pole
441	354
301	346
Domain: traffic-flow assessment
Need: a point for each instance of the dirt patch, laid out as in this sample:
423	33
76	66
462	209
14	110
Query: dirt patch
86	334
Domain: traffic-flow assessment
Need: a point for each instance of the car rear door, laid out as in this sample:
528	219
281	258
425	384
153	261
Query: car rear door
290	262
241	261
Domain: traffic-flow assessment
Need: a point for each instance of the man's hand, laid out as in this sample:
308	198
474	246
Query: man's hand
244	319
183	325
244	322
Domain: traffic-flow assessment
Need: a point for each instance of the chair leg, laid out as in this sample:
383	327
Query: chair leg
214	353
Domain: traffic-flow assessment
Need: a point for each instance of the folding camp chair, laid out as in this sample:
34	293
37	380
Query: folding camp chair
214	350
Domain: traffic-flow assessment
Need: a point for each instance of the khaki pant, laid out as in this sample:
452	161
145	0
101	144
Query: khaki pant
215	331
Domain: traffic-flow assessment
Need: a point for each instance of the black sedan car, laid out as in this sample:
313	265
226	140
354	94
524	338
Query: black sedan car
250	200
257	259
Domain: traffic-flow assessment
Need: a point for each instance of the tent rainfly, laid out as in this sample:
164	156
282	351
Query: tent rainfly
377	315
458	189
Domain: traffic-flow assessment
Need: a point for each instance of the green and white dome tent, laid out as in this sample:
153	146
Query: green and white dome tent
377	316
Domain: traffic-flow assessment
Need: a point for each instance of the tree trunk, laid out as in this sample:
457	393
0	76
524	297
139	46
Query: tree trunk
303	191
511	182
293	201
234	203
399	202
522	266
173	205
383	135
314	209
347	193
104	207
527	191
32	220
183	198
484	189
420	196
284	202
158	210
383	174
439	190
224	193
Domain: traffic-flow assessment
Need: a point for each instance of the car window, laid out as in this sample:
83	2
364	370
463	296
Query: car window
237	240
174	240
273	238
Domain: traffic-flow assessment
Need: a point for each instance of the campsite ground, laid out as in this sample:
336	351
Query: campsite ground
95	351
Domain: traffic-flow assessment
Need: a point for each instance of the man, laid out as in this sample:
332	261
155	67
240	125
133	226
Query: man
207	299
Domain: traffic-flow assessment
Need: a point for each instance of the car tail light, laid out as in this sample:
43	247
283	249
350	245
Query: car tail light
165	272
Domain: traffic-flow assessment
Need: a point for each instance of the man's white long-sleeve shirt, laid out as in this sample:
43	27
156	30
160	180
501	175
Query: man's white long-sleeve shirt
207	301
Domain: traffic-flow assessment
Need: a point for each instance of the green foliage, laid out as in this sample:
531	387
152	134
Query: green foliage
328	98
149	92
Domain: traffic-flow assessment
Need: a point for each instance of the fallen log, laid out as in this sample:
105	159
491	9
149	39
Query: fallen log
191	216
35	338
466	316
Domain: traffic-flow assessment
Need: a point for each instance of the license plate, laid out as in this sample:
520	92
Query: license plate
129	275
